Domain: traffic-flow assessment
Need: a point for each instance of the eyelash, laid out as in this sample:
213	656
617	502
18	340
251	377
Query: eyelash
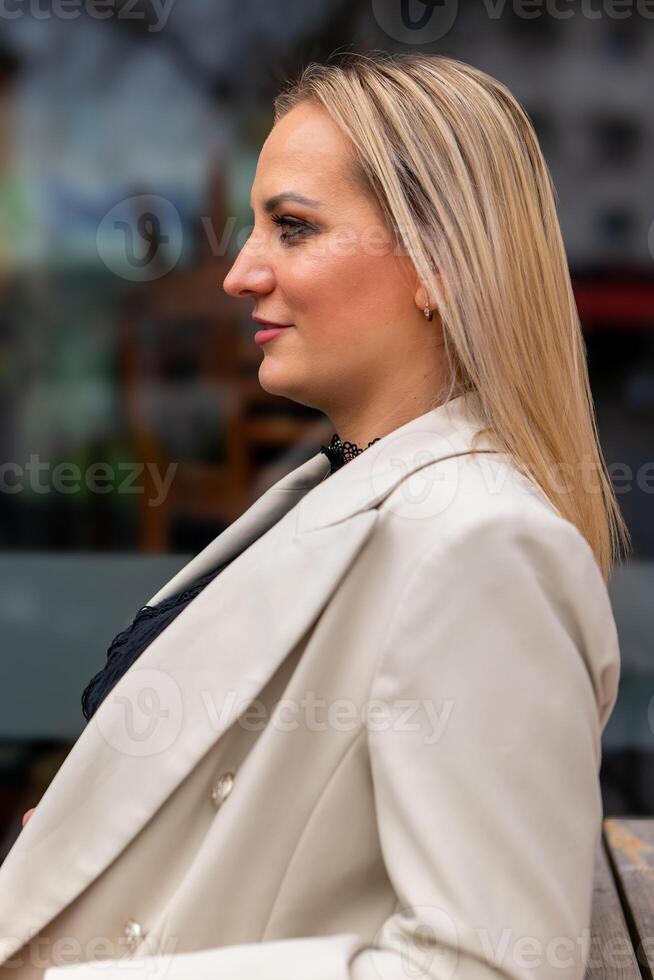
281	220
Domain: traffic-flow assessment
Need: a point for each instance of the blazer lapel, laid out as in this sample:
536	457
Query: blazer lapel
263	513
165	713
290	550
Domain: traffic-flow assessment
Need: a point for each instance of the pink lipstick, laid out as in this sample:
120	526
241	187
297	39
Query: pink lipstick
262	336
271	329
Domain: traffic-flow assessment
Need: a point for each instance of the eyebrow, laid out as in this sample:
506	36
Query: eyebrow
273	202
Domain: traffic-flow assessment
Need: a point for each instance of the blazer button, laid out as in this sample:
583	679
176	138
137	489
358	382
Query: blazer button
134	933
222	788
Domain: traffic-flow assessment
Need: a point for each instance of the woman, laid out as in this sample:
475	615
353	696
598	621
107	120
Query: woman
371	744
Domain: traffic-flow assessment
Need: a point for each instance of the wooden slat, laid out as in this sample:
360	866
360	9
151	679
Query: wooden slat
630	848
611	955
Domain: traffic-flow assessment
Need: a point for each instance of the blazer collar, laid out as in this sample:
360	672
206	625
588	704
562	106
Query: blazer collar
366	480
219	654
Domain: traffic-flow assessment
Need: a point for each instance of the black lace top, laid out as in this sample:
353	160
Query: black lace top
339	452
149	621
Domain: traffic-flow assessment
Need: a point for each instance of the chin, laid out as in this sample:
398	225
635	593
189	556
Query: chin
273	378
276	381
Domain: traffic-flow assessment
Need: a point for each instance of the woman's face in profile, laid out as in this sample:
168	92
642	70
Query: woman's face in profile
321	259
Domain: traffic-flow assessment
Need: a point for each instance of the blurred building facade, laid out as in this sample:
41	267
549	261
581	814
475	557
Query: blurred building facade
128	150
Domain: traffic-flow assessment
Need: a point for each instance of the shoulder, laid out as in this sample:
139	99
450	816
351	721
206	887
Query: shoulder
481	501
499	575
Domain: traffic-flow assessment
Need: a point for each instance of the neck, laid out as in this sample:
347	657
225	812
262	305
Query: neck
362	424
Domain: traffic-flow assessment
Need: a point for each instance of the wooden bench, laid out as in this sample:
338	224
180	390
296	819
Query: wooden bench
622	927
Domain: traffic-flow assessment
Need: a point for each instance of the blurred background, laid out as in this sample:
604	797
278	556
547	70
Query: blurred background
133	425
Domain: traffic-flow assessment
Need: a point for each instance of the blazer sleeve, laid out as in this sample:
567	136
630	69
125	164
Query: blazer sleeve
498	674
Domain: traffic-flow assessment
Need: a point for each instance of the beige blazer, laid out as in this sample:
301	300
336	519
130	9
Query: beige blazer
368	750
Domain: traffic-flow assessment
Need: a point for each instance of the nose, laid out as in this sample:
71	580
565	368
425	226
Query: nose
249	277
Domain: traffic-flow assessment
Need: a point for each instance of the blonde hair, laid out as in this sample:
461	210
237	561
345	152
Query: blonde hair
454	164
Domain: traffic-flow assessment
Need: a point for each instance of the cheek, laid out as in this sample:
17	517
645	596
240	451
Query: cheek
343	290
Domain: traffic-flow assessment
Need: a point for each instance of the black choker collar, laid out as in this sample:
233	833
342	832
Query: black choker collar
339	453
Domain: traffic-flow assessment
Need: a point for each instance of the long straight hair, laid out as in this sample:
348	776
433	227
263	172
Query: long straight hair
454	165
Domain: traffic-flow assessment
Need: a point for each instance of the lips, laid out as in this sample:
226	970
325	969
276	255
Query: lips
270	323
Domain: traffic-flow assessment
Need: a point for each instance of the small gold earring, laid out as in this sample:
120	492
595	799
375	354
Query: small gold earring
428	313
